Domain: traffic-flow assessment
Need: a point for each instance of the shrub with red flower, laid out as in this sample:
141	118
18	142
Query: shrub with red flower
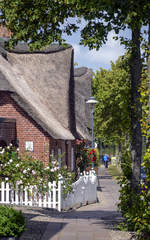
92	155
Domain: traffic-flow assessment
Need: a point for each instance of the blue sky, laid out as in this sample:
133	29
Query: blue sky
96	59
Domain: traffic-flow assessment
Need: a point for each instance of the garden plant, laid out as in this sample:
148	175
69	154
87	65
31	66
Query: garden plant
12	223
26	171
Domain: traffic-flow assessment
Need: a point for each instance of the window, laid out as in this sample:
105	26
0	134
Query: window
59	156
52	153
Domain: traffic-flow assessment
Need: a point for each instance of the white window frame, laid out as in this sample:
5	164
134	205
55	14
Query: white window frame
59	157
52	152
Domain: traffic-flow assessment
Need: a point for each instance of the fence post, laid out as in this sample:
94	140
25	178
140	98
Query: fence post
54	194
59	196
16	195
49	195
7	192
2	191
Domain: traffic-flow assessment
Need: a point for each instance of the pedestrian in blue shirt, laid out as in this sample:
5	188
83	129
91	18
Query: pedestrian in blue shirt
105	158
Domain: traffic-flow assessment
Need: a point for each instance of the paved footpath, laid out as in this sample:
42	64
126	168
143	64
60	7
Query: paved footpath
90	222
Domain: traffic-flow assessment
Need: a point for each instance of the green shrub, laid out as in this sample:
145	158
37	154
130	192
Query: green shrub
97	161
12	222
93	156
26	171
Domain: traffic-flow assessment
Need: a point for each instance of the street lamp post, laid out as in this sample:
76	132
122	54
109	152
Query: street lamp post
92	101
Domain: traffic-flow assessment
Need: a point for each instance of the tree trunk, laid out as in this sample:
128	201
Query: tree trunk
136	112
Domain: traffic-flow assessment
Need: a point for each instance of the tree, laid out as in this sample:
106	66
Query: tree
38	22
112	89
42	22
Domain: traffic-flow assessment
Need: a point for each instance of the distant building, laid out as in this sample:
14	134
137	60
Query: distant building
42	101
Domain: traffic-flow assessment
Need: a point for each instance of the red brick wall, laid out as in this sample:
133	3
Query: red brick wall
27	129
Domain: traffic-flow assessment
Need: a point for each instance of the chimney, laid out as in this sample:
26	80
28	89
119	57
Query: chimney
4	32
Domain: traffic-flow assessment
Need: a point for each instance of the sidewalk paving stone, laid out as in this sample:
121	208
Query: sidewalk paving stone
90	222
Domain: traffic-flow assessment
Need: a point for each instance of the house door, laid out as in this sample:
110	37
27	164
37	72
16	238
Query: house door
7	132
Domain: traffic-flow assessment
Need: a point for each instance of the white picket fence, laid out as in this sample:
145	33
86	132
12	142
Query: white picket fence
31	196
84	191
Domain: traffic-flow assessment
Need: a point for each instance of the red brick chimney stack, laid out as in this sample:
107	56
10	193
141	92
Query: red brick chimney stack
4	32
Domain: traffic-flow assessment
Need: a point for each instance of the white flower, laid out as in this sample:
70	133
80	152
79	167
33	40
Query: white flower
10	144
6	178
123	185
142	198
54	169
28	169
17	149
33	172
24	171
3	150
17	165
8	147
10	160
60	177
46	168
19	182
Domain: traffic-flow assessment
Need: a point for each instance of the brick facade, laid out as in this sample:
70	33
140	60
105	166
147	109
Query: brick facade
28	130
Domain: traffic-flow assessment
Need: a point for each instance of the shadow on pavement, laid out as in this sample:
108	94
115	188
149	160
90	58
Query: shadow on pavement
105	177
37	223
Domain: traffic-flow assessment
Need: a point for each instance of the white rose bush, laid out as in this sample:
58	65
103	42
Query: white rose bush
26	171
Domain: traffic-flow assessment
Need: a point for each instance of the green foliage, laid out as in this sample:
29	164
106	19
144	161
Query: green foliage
12	222
26	171
93	156
44	22
112	89
145	93
37	22
97	157
84	156
135	207
81	155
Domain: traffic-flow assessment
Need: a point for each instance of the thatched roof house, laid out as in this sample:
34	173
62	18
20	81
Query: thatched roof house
44	85
40	83
83	78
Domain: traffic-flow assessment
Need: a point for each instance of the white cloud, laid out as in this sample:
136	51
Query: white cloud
77	49
101	58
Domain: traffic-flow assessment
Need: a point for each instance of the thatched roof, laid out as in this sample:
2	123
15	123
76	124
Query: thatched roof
42	84
83	78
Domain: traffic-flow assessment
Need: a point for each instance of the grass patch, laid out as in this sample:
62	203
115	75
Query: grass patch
114	171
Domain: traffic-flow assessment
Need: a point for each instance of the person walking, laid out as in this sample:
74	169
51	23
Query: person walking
105	158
